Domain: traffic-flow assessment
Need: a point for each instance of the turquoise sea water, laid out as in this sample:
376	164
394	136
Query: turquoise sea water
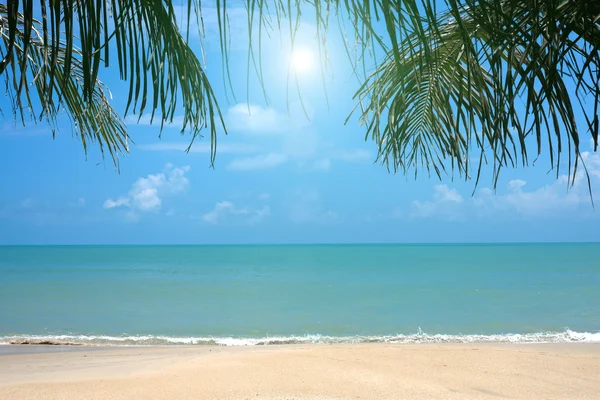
305	293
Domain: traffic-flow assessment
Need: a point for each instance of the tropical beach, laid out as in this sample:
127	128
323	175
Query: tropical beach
299	199
300	322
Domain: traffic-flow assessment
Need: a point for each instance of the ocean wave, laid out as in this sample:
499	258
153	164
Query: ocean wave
567	336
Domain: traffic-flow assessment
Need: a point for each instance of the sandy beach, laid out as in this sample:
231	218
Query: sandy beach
370	371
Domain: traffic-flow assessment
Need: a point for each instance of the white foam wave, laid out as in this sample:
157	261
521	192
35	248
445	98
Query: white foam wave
567	336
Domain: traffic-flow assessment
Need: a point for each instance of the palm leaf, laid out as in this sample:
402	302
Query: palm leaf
93	118
162	70
442	82
485	77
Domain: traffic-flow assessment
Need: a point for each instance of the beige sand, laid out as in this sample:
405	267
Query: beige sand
375	371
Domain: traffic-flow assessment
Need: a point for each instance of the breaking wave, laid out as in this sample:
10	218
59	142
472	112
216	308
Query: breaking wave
568	336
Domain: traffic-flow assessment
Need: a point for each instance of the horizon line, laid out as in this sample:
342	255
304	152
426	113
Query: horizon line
295	244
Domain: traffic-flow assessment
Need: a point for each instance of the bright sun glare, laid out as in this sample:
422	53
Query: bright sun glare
302	60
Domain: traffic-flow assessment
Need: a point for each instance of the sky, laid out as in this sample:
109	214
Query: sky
287	172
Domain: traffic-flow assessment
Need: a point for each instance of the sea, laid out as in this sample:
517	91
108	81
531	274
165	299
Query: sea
236	295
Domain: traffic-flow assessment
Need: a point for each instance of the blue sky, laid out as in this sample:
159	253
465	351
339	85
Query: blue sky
279	176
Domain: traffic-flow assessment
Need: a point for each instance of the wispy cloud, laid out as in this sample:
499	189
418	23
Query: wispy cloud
237	28
351	155
197	147
80	202
259	162
14	209
146	194
558	196
331	155
445	203
324	164
514	198
542	201
286	139
18	130
306	206
277	139
227	211
258	120
253	119
47	213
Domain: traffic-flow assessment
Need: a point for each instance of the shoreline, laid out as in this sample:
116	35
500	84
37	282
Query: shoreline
35	348
79	340
306	371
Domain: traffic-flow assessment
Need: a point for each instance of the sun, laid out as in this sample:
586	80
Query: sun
302	60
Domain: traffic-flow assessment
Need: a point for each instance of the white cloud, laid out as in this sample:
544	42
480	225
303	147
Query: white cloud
257	120
448	204
557	196
121	201
516	185
261	161
291	139
515	198
285	137
254	119
146	193
225	211
444	194
423	209
592	163
541	201
445	204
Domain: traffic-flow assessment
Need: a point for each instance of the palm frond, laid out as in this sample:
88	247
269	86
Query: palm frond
163	72
487	75
34	96
443	82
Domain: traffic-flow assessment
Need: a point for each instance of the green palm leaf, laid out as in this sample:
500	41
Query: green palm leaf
487	75
162	70
93	118
447	86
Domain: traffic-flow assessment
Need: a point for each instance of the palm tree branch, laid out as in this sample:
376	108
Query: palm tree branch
93	118
488	56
